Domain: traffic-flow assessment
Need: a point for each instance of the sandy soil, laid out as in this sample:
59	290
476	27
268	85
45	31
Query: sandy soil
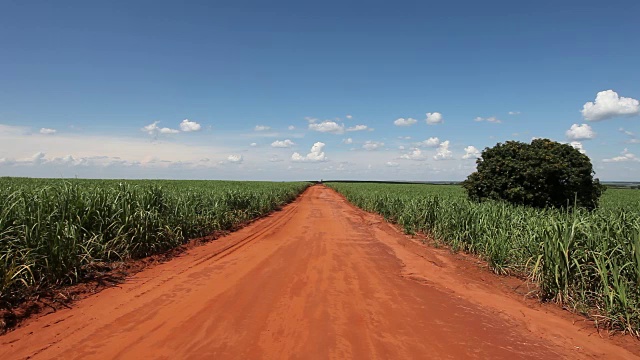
318	280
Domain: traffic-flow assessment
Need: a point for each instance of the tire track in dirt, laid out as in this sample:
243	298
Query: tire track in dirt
318	280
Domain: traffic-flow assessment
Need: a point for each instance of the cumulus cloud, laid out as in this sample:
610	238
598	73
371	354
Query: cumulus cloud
580	132
47	131
491	119
253	144
38	158
578	145
327	126
66	160
358	128
262	128
189	126
443	152
282	143
434	118
404	122
626	156
349	117
609	105
514	112
415	154
430	142
347	141
236	159
275	158
315	155
392	164
153	129
291	127
372	145
471	152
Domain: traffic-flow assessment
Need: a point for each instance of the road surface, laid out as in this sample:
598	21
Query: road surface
320	279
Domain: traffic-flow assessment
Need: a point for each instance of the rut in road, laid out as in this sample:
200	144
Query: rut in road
318	280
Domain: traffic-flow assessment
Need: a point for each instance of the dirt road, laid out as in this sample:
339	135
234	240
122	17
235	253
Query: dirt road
318	280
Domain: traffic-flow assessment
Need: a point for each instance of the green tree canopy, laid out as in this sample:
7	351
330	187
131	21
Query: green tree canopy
543	173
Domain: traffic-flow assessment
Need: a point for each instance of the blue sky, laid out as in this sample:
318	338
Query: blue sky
83	83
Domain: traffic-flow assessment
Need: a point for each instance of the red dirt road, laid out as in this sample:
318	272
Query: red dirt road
318	280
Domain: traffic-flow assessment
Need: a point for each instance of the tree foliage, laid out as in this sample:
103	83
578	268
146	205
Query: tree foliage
543	173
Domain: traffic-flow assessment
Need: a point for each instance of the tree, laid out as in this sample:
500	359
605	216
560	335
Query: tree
543	173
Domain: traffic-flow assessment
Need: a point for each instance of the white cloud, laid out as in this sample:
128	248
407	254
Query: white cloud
609	105
580	132
253	144
443	152
626	156
358	128
430	142
372	145
471	152
70	160
578	145
168	131
349	117
404	122
291	127
514	112
153	129
189	126
262	128
626	132
327	126
38	158
315	155
311	120
236	159
275	158
434	118
347	141
392	164
67	160
401	147
341	167
491	119
282	143
415	154
631	135
47	131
